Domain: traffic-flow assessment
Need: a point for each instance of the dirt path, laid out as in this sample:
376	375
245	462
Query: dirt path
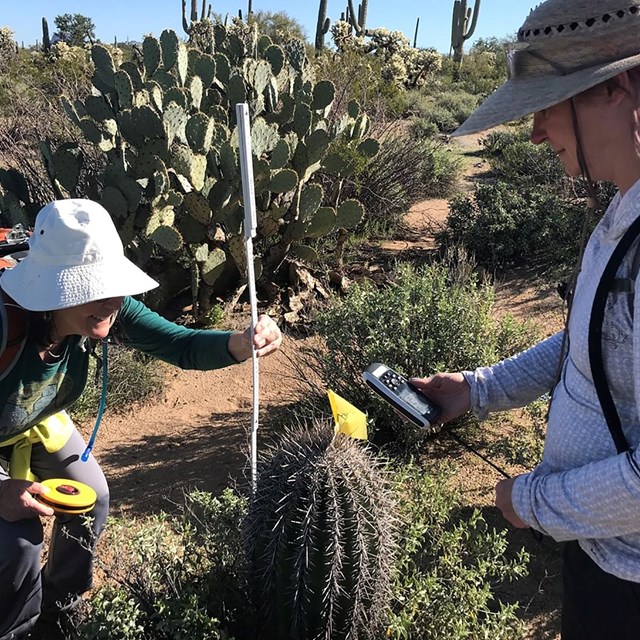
194	435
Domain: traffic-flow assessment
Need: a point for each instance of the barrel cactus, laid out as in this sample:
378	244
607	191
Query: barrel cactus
320	539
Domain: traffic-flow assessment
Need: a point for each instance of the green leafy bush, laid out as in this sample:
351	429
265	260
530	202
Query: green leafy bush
437	318
184	576
501	225
421	128
525	444
446	108
132	377
449	566
516	160
531	214
483	69
173	578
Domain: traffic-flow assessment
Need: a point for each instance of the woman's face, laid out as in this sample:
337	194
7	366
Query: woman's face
555	127
606	121
93	319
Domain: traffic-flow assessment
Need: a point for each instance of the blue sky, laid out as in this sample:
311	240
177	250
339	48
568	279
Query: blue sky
132	19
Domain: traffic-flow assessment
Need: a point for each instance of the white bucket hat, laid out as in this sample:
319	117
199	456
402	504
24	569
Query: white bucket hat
75	256
563	48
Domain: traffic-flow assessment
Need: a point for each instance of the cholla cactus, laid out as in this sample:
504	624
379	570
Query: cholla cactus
387	42
395	70
320	539
403	64
343	37
7	47
421	65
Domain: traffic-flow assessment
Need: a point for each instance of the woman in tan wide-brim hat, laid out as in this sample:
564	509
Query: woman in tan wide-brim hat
576	68
69	289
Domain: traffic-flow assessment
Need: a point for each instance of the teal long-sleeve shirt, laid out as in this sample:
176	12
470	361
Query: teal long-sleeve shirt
34	390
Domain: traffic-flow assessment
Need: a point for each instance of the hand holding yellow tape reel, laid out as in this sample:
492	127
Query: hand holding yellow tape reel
64	495
67	496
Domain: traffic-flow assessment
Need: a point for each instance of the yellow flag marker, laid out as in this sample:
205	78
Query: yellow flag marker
349	420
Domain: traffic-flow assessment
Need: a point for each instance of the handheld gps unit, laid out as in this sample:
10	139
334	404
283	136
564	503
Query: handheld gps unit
401	395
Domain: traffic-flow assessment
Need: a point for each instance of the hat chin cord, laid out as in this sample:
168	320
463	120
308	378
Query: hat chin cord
593	204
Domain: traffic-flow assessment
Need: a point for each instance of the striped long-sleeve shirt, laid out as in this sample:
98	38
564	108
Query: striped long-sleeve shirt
583	490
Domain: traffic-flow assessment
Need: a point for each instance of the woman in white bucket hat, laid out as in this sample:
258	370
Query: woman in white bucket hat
72	284
576	67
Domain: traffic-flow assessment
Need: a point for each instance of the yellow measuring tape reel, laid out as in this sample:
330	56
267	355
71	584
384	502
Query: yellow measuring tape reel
68	496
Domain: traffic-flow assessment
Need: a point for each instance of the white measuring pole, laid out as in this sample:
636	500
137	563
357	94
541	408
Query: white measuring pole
249	198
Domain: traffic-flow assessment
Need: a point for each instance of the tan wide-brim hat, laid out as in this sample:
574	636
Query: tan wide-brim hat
75	256
564	48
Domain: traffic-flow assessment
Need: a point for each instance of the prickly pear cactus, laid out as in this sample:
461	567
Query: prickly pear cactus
319	533
166	126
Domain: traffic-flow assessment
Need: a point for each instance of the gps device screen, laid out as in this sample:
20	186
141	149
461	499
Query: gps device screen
414	399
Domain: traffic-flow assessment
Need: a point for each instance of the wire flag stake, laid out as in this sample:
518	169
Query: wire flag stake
250	223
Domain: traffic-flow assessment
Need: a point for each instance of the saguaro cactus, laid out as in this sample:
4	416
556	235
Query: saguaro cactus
359	21
461	30
46	41
323	25
188	25
319	537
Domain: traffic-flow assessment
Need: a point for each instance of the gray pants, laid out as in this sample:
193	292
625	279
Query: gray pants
26	589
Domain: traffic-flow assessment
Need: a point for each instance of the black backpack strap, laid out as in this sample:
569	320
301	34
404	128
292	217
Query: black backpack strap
14	323
596	359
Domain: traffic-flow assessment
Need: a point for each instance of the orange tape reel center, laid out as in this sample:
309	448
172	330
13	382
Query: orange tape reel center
68	496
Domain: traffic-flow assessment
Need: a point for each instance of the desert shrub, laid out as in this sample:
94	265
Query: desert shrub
449	565
497	140
483	68
524	446
530	214
459	104
516	160
501	225
183	576
172	577
443	119
132	377
30	113
446	108
404	172
436	318
423	128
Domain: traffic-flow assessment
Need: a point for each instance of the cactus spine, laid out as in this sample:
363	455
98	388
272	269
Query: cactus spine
461	30
319	534
323	26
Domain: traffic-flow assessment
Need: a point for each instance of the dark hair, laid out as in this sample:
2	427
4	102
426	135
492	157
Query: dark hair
41	328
